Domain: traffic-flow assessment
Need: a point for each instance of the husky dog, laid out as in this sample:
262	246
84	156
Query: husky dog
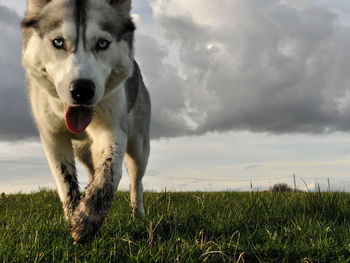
89	102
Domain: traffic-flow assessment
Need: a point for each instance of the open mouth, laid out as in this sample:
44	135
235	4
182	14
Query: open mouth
78	118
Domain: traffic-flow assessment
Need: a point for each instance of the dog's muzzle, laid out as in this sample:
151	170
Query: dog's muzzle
82	91
79	115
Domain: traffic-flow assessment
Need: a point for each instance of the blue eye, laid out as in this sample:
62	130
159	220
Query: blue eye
102	44
58	43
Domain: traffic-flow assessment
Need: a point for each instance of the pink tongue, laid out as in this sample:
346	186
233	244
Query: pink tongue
78	118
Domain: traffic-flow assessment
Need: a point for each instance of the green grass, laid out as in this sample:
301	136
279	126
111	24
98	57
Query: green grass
184	227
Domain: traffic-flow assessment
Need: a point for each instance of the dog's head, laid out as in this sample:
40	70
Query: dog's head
81	50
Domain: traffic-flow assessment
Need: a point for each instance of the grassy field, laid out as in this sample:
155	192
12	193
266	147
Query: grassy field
184	227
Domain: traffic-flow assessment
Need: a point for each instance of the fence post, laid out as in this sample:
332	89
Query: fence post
329	185
295	184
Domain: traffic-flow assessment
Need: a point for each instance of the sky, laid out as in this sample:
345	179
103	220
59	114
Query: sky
244	94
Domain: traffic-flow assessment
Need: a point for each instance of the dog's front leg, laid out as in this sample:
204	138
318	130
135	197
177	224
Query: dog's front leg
59	152
108	153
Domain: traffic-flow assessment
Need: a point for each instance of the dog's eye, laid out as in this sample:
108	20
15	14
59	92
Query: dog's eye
58	43
102	44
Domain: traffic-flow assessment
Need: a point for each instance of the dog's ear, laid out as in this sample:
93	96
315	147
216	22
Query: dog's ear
123	5
34	6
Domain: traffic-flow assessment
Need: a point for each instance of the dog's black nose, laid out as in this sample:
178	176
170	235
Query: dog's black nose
82	90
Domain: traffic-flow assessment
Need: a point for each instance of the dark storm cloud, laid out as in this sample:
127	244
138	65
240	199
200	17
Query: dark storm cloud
263	66
15	119
166	87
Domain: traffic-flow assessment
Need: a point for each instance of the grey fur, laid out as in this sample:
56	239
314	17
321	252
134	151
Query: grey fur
43	24
132	87
123	31
80	21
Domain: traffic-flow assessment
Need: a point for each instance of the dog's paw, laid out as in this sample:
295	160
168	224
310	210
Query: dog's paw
84	228
137	213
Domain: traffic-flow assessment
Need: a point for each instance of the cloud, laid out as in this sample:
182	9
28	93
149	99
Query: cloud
15	119
263	66
167	88
16	5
